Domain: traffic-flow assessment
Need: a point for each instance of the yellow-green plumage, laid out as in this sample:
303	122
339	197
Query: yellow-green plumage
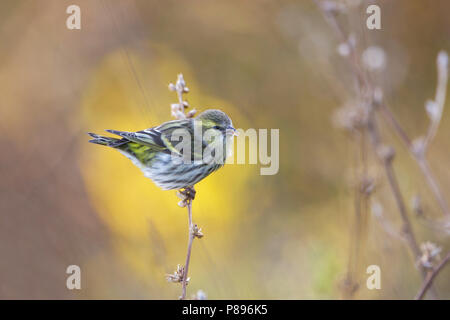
155	151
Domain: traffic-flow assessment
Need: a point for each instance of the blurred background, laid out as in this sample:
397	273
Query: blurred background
267	64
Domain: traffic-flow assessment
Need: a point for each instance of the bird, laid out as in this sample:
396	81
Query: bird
204	140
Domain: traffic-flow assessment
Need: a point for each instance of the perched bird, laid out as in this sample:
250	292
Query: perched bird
156	151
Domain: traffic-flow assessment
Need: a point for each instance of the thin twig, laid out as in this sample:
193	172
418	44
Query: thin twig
385	154
189	250
350	283
430	277
188	194
436	107
386	112
377	212
419	157
431	180
419	150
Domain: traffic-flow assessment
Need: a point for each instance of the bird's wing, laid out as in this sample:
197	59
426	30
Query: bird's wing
174	132
142	138
158	138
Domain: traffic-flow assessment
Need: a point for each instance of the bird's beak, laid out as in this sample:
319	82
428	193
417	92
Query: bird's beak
230	131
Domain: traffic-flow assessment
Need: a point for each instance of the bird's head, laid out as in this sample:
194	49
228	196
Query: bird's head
217	120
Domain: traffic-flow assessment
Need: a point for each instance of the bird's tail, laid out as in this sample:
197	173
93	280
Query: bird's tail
107	141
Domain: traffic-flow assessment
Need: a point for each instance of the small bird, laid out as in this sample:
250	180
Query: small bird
156	152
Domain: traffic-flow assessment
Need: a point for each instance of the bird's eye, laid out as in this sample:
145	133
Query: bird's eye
216	127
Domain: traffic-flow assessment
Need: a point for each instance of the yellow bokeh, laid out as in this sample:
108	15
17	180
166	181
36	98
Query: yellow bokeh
127	201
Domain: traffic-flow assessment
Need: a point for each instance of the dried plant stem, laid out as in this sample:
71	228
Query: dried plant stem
189	250
407	230
188	194
357	240
418	157
419	151
431	276
371	103
386	156
431	180
350	285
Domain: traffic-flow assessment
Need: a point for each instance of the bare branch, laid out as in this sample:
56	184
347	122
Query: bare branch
186	195
189	250
431	276
435	108
178	109
386	156
377	212
371	99
419	147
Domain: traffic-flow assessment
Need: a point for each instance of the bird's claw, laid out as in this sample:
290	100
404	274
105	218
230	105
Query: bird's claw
186	195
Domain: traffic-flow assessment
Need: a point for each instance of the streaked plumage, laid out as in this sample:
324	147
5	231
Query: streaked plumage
153	149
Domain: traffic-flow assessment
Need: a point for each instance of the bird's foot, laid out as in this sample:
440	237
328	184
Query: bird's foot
186	195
